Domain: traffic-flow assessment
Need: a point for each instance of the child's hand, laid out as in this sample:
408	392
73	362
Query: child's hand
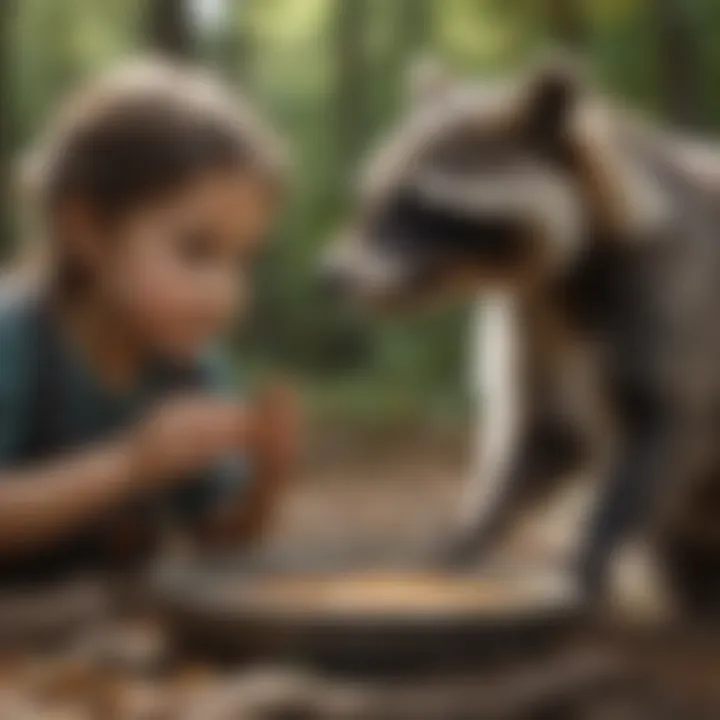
185	435
275	433
271	442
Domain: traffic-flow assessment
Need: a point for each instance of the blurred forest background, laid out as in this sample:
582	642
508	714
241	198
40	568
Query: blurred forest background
331	75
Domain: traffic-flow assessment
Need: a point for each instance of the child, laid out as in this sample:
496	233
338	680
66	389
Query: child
155	190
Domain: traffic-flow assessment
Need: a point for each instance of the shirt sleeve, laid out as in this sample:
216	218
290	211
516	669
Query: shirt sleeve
224	483
11	423
15	395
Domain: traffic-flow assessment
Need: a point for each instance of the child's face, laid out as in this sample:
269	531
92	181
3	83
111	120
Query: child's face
177	271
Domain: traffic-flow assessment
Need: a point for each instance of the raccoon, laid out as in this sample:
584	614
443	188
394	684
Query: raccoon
589	240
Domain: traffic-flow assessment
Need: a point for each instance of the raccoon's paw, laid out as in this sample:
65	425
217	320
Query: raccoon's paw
638	587
463	550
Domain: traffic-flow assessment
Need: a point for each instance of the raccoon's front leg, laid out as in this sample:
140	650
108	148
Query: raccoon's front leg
547	450
495	371
500	462
526	438
641	473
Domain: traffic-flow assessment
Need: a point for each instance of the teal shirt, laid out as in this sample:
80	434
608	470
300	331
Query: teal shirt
90	412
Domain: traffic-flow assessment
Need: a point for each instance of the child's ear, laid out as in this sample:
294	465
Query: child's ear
79	229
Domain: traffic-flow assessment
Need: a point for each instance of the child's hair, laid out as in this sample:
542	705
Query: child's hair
144	131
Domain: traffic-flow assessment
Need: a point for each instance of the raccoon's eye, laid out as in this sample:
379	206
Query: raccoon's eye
469	163
469	153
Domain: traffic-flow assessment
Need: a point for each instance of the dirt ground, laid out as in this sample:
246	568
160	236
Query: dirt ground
392	493
378	491
380	494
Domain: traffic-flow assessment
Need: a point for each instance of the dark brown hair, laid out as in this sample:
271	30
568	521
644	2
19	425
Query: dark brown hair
143	131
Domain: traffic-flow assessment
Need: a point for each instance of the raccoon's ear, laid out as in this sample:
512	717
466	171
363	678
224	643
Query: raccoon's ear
552	95
427	80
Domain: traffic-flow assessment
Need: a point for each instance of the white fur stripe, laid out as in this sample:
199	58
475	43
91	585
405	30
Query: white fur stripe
495	358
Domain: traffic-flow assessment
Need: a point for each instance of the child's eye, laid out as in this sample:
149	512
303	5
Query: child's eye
196	247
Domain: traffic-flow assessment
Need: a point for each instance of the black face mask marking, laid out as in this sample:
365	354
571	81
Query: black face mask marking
411	229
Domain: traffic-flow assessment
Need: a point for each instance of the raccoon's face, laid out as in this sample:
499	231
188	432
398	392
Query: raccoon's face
474	187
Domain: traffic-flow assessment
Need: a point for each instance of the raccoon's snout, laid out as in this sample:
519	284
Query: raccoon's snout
333	281
355	267
339	277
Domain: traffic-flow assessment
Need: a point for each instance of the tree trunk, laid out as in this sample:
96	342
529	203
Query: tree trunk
678	63
8	8
566	23
411	25
349	34
417	26
169	28
236	44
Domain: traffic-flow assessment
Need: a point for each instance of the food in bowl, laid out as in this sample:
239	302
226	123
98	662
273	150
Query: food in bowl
396	594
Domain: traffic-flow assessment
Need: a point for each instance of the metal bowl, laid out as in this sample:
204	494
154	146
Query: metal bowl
355	615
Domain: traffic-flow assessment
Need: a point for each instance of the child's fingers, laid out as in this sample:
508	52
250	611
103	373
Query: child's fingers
277	422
